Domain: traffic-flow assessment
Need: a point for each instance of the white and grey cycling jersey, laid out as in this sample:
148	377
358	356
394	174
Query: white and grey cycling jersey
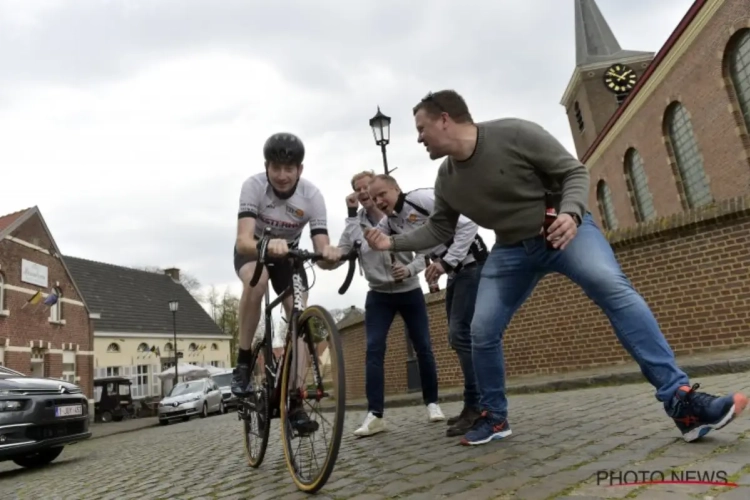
286	218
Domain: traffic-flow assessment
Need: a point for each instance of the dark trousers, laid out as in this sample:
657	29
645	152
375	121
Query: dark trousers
380	310
460	296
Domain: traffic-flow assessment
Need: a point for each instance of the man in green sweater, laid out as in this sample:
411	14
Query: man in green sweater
497	173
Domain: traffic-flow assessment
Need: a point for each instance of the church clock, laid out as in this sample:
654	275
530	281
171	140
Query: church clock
620	78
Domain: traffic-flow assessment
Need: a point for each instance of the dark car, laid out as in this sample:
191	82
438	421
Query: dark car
38	417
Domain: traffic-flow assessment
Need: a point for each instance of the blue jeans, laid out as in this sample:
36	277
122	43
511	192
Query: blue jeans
460	298
510	275
380	310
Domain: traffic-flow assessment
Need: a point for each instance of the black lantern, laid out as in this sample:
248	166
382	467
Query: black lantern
381	128
381	131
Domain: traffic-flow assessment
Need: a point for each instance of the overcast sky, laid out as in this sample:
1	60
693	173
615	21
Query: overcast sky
132	124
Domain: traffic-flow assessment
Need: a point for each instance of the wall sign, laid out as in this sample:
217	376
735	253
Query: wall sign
33	273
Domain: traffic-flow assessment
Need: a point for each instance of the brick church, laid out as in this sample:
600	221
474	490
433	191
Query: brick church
665	138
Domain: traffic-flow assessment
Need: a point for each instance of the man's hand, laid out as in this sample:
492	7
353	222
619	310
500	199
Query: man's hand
277	248
331	257
377	239
352	201
562	231
399	271
434	271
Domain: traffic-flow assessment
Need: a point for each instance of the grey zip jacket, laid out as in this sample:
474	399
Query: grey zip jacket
377	264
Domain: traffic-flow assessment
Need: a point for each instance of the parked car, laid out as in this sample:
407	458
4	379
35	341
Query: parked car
186	399
224	381
38	417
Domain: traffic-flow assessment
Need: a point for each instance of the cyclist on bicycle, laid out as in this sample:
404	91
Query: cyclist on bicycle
280	199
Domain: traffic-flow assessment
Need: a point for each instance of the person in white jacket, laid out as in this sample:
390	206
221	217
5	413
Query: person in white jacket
394	288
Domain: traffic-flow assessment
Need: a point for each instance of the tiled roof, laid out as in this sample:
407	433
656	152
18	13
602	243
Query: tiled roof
135	301
7	220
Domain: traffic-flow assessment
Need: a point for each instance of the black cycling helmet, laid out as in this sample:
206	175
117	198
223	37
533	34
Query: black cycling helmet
284	148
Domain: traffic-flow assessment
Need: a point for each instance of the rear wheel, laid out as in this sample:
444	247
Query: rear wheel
255	412
320	391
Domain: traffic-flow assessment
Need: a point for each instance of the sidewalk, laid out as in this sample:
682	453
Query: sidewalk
699	365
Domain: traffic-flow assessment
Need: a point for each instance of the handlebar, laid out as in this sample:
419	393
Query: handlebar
300	256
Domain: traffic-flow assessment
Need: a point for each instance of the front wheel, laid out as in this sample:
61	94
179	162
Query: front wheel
255	412
319	388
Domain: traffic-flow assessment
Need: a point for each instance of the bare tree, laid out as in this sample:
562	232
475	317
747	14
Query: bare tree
224	310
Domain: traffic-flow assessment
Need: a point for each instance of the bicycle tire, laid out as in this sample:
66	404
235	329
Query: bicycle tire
256	461
334	344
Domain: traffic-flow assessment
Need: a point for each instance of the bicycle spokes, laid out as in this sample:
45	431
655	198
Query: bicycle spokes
254	411
312	401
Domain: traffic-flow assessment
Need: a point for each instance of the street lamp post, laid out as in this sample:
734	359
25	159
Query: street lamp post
174	306
381	131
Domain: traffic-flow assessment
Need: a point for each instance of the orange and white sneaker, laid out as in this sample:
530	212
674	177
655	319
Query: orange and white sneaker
697	413
487	428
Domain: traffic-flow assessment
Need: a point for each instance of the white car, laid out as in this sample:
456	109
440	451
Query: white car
197	397
224	381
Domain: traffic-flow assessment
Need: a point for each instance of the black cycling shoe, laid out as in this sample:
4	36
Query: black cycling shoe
241	381
300	420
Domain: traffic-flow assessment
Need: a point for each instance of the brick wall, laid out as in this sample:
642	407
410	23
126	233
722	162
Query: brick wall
85	370
53	365
699	82
693	269
30	324
18	361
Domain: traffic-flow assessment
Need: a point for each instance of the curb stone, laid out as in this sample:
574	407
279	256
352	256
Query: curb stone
724	367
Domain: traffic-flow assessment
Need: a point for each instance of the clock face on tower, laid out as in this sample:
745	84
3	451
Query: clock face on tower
620	79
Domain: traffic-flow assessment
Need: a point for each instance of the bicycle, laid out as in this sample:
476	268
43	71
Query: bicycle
270	397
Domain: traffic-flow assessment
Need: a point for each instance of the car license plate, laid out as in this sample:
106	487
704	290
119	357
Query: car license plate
68	411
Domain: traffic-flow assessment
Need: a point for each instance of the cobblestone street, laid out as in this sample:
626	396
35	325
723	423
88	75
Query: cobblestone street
560	440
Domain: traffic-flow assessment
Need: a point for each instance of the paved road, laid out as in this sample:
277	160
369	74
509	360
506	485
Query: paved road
560	441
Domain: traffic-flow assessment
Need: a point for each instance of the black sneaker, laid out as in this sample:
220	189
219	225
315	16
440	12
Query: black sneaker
697	413
463	422
241	381
300	420
452	421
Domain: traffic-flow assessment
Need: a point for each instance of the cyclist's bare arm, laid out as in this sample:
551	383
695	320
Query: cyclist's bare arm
246	242
320	241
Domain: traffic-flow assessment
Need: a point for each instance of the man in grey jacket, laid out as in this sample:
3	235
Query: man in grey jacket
394	288
461	257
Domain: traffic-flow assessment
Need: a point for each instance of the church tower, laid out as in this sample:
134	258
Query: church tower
603	76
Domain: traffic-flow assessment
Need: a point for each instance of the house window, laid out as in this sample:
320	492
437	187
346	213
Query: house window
216	364
113	371
636	175
113	347
193	347
606	206
2	292
739	71
69	366
55	310
214	346
168	347
143	347
141	381
579	116
687	157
